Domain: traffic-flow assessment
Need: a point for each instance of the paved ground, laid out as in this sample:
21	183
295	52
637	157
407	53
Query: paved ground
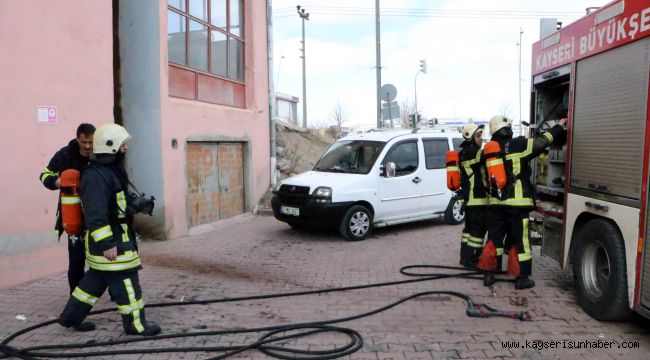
250	255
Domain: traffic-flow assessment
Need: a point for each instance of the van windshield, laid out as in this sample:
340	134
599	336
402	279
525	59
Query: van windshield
353	157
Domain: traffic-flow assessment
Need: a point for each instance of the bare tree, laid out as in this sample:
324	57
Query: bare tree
505	110
407	108
339	115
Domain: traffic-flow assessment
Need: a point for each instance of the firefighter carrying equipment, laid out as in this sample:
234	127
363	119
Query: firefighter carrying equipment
453	170
496	171
108	139
473	193
71	212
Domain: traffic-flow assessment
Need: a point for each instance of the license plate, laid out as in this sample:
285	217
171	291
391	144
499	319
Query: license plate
287	210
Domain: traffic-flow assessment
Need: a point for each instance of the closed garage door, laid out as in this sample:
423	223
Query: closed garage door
215	181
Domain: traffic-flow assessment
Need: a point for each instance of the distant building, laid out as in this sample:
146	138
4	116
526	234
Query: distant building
286	108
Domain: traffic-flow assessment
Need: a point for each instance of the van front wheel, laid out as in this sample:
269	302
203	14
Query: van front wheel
356	223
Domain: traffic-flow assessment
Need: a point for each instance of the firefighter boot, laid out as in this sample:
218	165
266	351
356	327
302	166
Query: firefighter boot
149	328
84	326
464	253
472	262
524	282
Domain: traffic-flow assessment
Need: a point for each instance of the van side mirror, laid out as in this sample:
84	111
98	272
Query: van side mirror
388	169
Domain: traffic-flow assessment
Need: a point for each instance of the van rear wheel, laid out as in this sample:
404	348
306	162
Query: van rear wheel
356	223
599	270
453	214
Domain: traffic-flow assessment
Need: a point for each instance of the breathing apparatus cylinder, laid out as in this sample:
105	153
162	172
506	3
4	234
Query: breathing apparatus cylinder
495	167
71	212
453	170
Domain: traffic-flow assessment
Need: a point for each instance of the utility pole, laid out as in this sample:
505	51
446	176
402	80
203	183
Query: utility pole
378	61
521	129
304	16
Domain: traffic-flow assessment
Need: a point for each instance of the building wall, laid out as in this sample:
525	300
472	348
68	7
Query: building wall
162	125
55	53
187	120
140	101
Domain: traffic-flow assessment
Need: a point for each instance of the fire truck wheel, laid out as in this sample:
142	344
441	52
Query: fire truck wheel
453	215
356	223
598	259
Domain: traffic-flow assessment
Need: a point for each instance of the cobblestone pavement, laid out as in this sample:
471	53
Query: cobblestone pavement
249	255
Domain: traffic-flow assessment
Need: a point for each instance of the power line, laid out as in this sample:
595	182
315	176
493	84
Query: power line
432	13
531	17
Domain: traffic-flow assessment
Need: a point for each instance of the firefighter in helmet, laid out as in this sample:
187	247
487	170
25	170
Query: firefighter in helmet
473	193
111	249
509	209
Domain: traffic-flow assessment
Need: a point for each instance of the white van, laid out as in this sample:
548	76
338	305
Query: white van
372	180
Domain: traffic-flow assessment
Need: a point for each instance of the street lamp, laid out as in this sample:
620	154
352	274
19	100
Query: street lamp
303	16
423	69
277	80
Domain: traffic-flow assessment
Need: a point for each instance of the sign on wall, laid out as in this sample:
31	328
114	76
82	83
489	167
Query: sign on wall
46	114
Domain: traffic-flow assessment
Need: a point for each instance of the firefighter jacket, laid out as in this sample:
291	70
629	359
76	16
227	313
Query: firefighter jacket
517	153
68	157
103	197
472	175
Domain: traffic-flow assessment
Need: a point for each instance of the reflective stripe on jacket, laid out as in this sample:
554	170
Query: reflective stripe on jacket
103	198
518	153
472	175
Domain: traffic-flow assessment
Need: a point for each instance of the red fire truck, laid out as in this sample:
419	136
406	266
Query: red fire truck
593	206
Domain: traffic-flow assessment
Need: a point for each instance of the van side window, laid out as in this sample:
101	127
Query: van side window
456	142
435	152
405	157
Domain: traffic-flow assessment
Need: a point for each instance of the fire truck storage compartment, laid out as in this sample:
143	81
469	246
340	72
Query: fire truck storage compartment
552	239
608	127
551	103
550	100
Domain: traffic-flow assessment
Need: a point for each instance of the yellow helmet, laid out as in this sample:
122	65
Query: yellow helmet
108	139
470	129
498	122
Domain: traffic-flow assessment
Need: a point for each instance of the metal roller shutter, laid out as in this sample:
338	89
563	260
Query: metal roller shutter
609	121
645	269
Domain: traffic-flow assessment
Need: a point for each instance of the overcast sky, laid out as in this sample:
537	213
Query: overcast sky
470	47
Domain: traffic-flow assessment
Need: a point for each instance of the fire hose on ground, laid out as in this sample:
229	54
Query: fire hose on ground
269	334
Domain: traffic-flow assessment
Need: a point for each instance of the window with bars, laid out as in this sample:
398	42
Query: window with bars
207	36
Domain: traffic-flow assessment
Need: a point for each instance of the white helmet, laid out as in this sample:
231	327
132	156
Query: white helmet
497	122
108	139
470	129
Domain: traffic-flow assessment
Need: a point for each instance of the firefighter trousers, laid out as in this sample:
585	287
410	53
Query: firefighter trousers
76	261
510	224
473	234
125	288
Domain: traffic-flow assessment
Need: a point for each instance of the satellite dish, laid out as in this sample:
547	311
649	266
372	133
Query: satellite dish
388	92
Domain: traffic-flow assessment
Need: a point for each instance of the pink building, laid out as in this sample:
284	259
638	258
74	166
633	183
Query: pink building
187	78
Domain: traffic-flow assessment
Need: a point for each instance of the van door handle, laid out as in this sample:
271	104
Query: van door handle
416	179
595	206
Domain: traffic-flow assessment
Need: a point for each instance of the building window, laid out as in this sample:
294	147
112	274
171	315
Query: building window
207	36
